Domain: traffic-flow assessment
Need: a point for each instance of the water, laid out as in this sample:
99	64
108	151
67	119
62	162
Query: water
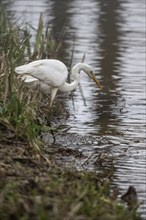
111	34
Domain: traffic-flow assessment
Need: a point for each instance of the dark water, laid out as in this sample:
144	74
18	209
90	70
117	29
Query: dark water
111	34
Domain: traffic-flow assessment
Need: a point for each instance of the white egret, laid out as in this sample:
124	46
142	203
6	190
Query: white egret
51	75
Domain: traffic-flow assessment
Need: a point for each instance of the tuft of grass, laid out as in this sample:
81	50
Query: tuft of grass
19	107
62	194
45	45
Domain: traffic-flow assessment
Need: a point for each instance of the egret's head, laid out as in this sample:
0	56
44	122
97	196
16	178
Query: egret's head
87	69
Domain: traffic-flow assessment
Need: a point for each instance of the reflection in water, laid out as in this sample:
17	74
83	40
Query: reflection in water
111	34
60	22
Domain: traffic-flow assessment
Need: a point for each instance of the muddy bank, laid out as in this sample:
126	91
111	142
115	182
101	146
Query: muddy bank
32	188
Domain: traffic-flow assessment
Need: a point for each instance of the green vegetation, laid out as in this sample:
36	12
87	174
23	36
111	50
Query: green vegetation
61	194
31	188
18	108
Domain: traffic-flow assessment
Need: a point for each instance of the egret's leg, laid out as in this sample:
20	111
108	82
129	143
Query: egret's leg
53	94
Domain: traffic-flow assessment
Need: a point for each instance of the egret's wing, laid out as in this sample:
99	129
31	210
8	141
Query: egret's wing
51	72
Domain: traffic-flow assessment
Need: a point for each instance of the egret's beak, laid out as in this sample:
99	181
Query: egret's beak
96	81
93	77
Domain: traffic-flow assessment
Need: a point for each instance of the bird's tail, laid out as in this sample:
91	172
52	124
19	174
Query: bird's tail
21	69
24	72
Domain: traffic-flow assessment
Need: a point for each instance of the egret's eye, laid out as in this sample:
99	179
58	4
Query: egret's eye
91	72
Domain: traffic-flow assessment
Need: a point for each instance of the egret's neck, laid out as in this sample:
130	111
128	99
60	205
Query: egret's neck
66	87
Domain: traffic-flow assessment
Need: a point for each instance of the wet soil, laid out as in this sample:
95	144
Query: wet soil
30	185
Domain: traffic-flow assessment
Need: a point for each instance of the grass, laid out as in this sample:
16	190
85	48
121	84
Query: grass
18	107
61	194
30	188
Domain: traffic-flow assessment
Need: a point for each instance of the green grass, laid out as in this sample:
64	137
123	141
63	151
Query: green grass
19	109
61	194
